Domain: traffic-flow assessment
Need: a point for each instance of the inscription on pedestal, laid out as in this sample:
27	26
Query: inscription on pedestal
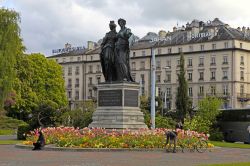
110	98
131	98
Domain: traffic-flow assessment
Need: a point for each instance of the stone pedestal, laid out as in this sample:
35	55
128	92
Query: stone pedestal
118	106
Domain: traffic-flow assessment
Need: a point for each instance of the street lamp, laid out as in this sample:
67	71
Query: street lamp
153	88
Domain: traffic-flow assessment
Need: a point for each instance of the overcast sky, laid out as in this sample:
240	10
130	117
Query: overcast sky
49	24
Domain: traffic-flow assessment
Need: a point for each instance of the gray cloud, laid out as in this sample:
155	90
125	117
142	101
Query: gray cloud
47	24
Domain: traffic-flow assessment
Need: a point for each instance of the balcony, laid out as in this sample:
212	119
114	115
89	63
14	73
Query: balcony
242	78
201	64
76	85
69	86
167	81
212	78
212	64
224	96
243	97
225	78
201	79
224	63
241	63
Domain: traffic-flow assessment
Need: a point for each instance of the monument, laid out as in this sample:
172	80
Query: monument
118	97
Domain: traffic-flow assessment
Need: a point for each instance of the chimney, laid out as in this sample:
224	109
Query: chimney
244	29
227	26
67	45
238	29
162	33
174	29
90	45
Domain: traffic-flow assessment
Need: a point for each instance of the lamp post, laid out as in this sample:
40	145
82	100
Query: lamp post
153	88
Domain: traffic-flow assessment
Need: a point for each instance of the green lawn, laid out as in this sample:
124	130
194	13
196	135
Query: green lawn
8	142
229	164
230	145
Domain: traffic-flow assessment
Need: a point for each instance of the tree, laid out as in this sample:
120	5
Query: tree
205	117
39	87
10	48
182	96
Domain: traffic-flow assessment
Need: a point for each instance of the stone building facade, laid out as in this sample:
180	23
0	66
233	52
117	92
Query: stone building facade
217	63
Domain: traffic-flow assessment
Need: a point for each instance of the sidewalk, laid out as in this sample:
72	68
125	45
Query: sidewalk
11	156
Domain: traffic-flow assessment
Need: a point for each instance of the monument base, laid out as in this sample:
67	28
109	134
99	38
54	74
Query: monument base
118	107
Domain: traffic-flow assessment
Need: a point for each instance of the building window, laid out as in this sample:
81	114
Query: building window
242	60
69	83
213	90
169	64
159	91
159	51
90	69
178	62
77	83
190	91
158	65
78	58
190	62
191	48
77	95
158	78
212	75
77	70
142	65
241	45
168	77
91	58
213	46
143	90
134	54
242	75
190	76
63	71
213	61
64	59
241	89
69	71
169	50
201	61
90	81
143	53
202	47
69	94
225	75
225	44
201	76
133	66
142	79
98	69
225	89
201	92
180	49
225	61
168	92
90	93
98	79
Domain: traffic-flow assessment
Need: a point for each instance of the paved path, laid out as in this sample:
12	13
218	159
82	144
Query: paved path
11	156
8	137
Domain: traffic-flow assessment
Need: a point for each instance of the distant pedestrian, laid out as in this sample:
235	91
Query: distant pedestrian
171	136
179	125
40	142
248	129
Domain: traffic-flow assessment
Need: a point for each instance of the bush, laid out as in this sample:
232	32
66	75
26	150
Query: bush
8	123
216	136
22	130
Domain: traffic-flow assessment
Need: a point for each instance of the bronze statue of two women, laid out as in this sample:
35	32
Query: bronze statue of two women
115	53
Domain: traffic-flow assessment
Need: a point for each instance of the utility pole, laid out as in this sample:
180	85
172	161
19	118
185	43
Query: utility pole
153	88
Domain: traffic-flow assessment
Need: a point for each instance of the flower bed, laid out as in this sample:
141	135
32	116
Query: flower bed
102	138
